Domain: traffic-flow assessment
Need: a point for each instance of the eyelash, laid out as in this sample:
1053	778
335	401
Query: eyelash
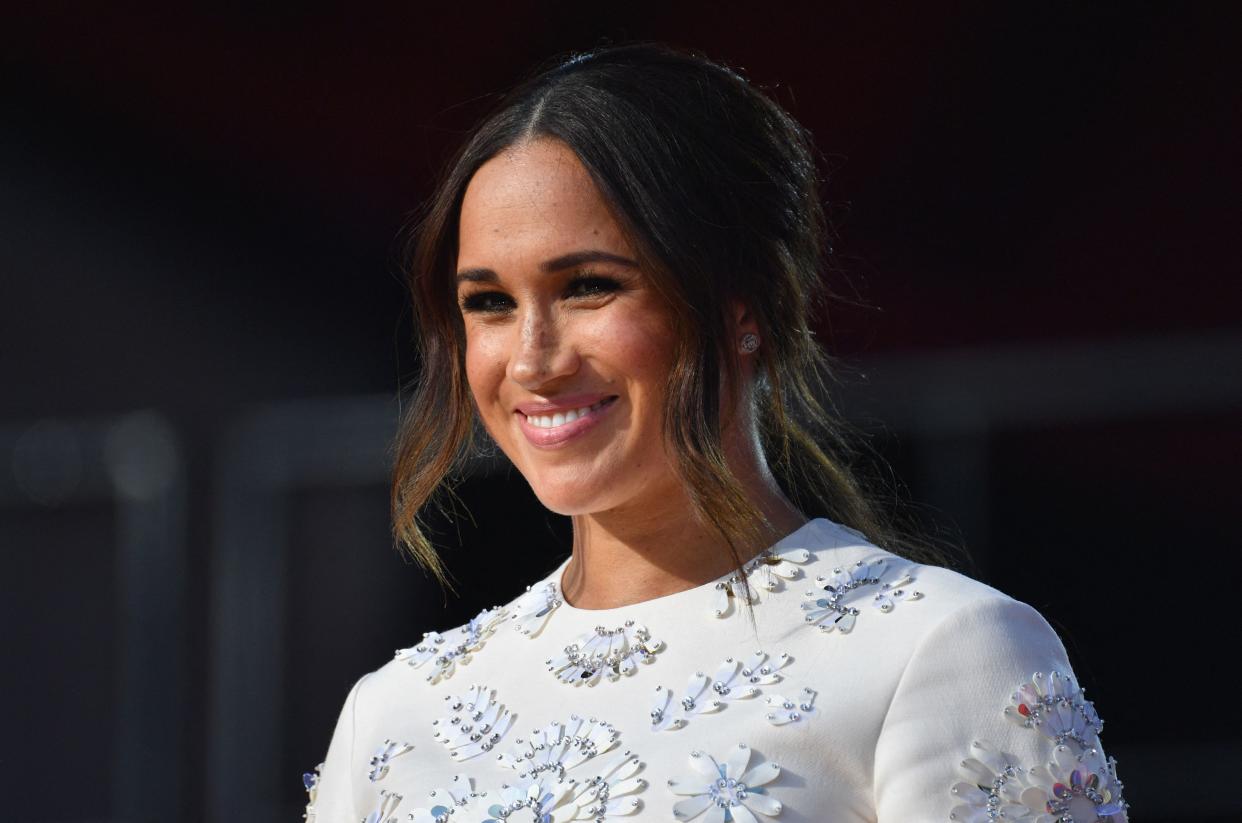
599	285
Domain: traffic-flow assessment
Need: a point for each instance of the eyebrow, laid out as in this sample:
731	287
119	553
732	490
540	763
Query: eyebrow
565	261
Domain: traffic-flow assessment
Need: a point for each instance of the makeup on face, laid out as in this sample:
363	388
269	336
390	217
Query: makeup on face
568	344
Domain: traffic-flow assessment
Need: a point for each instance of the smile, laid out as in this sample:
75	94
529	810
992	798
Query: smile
553	429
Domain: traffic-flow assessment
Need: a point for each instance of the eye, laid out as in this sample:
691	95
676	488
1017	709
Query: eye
487	302
587	284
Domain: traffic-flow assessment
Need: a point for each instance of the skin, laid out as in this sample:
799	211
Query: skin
534	334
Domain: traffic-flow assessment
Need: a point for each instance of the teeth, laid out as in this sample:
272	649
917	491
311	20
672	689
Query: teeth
550	421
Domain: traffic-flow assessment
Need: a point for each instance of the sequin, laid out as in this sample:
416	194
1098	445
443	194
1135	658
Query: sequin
530	612
386	810
1057	708
1078	785
458	802
784	710
548	760
383	757
834	606
726	786
455	646
995	788
733	680
474	725
614	653
310	782
767	571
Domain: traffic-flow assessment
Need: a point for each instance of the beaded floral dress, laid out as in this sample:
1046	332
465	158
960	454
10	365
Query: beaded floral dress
866	689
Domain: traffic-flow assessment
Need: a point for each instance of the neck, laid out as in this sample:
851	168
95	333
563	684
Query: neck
658	547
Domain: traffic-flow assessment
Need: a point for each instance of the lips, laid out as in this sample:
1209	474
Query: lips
551	424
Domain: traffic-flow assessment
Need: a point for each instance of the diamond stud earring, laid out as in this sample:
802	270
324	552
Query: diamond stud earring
749	343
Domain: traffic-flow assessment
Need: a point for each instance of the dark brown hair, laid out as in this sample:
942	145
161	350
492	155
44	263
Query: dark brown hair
717	189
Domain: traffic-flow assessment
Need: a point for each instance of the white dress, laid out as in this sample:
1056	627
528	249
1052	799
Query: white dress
867	689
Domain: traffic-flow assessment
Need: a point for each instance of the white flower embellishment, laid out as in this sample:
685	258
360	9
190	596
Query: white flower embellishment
559	747
727	788
1073	788
611	652
785	710
554	799
1057	709
454	646
734	680
1078	785
832	606
383	757
386	811
543	788
475	724
766	571
545	765
531	611
459	802
994	789
1085	787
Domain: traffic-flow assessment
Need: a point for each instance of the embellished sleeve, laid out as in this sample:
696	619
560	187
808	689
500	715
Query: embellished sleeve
329	788
988	722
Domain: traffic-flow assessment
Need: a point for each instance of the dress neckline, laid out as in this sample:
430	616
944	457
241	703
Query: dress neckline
809	535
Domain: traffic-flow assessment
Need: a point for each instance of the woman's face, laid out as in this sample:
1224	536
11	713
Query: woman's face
568	345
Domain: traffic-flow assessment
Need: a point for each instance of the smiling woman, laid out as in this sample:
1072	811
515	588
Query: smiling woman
667	236
567	356
614	283
568	347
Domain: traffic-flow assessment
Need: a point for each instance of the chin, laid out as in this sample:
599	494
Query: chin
569	503
573	496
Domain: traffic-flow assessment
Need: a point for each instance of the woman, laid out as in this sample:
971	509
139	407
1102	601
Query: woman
614	281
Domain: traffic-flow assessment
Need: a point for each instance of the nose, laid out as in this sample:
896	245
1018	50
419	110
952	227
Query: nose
543	350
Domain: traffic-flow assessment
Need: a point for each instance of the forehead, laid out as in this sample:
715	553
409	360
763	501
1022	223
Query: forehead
532	202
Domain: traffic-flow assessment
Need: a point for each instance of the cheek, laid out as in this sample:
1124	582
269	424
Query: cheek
639	350
485	369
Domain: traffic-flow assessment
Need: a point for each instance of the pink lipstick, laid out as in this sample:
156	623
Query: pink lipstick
552	424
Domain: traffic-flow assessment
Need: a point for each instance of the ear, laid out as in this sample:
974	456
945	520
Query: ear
744	330
743	320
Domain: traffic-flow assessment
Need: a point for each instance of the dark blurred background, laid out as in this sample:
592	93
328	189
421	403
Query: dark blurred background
203	333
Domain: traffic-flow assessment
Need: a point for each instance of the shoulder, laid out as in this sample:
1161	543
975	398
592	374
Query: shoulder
961	631
948	643
968	608
987	711
949	602
976	641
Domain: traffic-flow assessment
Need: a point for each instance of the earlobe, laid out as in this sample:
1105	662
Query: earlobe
745	329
